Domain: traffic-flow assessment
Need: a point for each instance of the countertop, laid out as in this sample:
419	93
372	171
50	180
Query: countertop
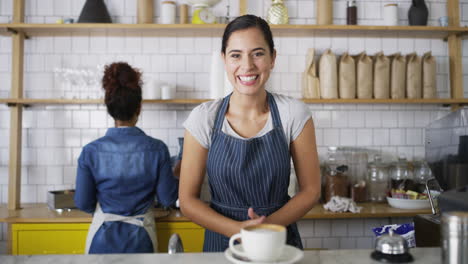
361	256
39	213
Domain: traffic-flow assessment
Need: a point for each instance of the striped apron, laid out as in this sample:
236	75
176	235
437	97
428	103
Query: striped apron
248	173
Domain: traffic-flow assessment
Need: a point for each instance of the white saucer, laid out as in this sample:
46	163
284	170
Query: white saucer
290	255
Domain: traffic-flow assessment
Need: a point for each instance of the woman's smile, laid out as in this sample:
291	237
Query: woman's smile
247	80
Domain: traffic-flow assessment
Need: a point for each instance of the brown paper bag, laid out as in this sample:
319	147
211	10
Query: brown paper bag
310	80
413	76
381	76
429	76
347	77
398	76
364	76
328	76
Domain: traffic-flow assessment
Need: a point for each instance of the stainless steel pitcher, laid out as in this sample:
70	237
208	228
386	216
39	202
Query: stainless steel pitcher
454	237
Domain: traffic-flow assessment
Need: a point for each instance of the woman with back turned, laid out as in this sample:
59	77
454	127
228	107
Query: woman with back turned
120	175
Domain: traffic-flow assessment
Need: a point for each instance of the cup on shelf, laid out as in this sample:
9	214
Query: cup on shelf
151	90
167	92
444	21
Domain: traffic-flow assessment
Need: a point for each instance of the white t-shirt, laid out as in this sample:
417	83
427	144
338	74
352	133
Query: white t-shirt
293	113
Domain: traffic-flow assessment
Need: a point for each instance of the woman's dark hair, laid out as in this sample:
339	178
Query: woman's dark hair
122	85
245	22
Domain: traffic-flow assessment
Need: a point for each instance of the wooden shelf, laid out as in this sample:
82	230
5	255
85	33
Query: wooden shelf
45	29
199	101
386	101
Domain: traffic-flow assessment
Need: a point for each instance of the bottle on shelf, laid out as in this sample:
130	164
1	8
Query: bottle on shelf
351	13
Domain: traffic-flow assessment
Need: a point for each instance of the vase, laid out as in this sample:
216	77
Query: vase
278	13
418	13
94	11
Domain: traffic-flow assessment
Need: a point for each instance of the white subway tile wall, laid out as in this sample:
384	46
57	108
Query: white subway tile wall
54	135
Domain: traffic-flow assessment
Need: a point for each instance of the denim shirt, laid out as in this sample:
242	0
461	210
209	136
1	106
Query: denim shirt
124	171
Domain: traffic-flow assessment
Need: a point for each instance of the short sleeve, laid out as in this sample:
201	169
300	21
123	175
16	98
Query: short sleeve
201	121
300	114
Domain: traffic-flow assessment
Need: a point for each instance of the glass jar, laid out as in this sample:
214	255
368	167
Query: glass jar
422	173
336	178
401	177
377	180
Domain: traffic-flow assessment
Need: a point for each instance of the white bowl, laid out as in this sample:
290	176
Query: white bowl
408	203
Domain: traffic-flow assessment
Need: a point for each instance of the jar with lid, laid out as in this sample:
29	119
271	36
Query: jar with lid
422	173
168	12
377	180
336	178
401	177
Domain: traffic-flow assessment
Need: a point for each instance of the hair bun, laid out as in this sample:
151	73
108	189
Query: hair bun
120	75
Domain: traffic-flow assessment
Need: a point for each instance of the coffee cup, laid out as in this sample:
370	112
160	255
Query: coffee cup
263	242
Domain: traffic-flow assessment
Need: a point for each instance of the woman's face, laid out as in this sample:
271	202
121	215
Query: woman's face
248	61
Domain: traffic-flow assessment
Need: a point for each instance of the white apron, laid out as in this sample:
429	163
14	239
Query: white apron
100	217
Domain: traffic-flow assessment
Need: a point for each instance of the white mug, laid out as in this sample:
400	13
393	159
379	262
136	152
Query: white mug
263	242
167	92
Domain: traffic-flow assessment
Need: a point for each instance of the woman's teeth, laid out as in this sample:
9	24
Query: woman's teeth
247	78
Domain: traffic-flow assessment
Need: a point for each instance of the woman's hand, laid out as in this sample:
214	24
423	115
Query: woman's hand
255	219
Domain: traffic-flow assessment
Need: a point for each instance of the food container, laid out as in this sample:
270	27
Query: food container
62	199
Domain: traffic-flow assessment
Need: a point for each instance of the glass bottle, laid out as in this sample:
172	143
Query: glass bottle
351	13
336	178
377	180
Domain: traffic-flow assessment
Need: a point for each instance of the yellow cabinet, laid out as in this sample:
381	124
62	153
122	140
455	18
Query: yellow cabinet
70	238
192	235
39	239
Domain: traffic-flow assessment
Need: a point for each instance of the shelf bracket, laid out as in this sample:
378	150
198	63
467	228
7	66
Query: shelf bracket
15	32
11	30
16	104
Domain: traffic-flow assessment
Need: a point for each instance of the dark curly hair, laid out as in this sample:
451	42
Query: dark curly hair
122	85
246	22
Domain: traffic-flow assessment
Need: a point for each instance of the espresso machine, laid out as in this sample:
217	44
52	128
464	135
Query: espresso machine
447	155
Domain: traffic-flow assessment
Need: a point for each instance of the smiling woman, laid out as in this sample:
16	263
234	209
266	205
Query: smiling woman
245	143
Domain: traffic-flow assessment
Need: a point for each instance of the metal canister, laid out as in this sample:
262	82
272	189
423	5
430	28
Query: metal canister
454	237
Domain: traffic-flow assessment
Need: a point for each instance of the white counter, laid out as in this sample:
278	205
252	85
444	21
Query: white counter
421	255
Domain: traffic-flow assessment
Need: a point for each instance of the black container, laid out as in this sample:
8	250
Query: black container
351	13
94	11
418	13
